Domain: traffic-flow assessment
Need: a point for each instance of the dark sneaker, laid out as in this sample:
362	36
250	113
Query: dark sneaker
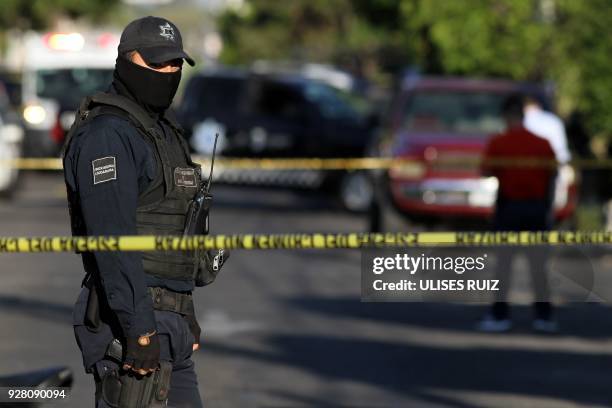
543	321
545	325
490	324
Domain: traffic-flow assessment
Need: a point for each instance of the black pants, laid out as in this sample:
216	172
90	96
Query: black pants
176	346
527	215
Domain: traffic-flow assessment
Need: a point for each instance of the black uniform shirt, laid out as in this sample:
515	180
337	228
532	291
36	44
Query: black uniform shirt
124	164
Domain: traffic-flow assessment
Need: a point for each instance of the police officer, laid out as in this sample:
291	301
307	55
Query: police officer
128	171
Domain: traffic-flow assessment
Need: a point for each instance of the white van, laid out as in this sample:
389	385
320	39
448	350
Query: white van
58	69
11	139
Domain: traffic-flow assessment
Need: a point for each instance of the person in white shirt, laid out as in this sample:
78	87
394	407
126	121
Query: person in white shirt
548	126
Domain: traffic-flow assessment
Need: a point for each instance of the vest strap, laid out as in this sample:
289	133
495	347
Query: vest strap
132	108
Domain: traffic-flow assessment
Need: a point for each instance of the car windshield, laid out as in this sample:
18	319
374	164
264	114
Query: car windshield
214	94
470	113
69	86
333	103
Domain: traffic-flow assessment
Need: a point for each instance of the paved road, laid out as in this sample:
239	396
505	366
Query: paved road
287	328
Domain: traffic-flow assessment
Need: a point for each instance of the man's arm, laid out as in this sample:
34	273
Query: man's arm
107	172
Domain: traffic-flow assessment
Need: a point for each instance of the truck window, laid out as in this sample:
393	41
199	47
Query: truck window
211	95
332	103
279	101
54	83
476	113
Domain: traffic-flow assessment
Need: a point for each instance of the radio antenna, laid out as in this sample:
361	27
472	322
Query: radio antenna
212	163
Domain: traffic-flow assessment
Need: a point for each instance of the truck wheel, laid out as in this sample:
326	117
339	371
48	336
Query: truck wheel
10	190
356	191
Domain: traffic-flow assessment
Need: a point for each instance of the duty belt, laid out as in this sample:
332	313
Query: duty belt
168	300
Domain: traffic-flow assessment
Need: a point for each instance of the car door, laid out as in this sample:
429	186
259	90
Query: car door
279	119
342	130
210	106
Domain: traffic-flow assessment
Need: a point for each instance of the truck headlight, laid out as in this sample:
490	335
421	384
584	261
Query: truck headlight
34	114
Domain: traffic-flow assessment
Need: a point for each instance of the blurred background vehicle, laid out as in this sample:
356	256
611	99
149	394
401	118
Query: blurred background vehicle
57	70
443	123
12	85
280	114
11	142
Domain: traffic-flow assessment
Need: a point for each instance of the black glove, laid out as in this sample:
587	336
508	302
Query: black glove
195	328
142	353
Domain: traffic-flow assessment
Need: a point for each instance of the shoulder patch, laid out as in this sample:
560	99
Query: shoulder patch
104	169
184	177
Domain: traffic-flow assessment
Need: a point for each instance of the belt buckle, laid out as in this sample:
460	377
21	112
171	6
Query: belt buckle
157	295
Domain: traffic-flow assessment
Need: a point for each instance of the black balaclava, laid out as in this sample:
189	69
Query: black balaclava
152	89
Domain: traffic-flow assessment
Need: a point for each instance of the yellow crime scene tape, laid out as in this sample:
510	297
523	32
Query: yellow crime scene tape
363	163
367	163
300	241
306	240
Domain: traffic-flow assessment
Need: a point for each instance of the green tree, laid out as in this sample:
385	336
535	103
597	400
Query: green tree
582	63
479	37
566	41
38	14
516	39
307	31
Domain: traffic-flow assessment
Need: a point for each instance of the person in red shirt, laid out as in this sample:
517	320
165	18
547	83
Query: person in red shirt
525	167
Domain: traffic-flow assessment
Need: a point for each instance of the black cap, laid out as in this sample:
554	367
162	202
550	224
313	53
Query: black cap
155	38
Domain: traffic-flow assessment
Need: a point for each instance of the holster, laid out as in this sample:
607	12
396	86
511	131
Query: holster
92	313
149	391
126	389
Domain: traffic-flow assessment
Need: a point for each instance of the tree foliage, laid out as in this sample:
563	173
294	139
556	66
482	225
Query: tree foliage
566	41
308	30
39	14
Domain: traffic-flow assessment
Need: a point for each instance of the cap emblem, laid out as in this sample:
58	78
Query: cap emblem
167	31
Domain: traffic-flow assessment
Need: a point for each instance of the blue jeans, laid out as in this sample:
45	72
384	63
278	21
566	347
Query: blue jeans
176	341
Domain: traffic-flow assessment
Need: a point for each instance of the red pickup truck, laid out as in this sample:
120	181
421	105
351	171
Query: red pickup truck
444	124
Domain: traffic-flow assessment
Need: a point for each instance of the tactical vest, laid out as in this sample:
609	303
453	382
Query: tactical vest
163	206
